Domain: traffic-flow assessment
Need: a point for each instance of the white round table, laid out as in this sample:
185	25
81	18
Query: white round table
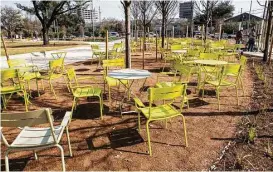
132	75
179	51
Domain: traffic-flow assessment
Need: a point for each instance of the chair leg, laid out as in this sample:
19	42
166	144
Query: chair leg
68	142
52	89
35	155
73	104
149	140
218	98
26	100
203	90
7	161
101	106
37	86
139	122
185	130
237	95
66	83
109	92
242	86
62	156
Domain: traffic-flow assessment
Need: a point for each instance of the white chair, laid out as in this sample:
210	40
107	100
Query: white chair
35	138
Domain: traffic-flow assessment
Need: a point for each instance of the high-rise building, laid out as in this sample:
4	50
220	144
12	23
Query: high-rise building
186	10
89	13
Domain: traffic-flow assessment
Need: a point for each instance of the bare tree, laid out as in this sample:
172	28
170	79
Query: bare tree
167	10
10	20
47	12
135	16
206	7
147	12
126	5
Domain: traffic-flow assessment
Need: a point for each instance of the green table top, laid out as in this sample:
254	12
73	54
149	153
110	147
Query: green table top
210	62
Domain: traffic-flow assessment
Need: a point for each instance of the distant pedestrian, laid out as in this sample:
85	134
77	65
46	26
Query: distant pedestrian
251	40
239	37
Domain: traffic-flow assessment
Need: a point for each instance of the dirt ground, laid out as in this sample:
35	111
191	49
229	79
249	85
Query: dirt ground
114	143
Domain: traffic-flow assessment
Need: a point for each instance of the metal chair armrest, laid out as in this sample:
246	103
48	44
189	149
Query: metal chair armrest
138	103
66	119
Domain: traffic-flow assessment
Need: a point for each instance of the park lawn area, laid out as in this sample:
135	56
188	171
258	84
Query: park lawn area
22	47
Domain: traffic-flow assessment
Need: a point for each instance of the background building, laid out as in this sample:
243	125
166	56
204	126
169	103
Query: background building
89	13
186	10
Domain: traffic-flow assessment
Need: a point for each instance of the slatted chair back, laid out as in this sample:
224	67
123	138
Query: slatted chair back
166	93
118	63
176	47
95	47
59	55
56	66
209	56
230	70
28	119
72	78
8	75
17	63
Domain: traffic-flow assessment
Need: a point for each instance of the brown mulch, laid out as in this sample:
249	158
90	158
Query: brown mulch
114	143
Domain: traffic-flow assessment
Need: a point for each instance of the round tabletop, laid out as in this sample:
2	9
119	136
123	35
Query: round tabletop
211	62
100	51
179	51
129	74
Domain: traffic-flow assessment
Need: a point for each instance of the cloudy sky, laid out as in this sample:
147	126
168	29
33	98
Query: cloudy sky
113	8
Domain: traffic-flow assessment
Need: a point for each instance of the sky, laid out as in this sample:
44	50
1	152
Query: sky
113	8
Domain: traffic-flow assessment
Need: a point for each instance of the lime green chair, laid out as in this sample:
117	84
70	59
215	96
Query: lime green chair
111	64
56	71
176	47
33	138
27	72
96	52
209	56
12	83
83	91
163	111
115	52
58	55
223	80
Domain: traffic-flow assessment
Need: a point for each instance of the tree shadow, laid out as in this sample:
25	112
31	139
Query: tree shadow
115	139
197	102
89	111
17	164
82	70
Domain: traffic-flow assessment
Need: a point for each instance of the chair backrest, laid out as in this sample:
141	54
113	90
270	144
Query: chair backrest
209	56
56	66
8	75
23	119
228	70
17	63
117	63
72	78
176	47
95	47
166	93
117	46
59	55
184	70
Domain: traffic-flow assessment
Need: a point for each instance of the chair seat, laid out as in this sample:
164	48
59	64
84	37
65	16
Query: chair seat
10	89
160	112
223	83
31	137
87	92
31	75
112	82
53	76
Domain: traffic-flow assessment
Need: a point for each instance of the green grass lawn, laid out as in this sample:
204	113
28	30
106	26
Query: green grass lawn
21	47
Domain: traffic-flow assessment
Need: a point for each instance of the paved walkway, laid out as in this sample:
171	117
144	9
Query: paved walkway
73	55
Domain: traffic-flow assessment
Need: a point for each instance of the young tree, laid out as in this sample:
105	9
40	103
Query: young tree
48	11
126	5
167	10
135	17
147	13
10	20
205	7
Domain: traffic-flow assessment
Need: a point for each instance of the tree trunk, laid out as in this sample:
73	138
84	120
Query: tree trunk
144	45
45	36
270	6
128	36
163	33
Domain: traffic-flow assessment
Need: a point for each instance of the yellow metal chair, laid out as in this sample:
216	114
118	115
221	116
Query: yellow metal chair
59	55
96	52
223	80
115	52
112	64
56	71
27	72
11	83
35	138
83	91
163	111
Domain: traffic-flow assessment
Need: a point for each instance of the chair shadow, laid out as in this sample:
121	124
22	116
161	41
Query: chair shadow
81	70
197	102
17	164
89	111
207	92
116	139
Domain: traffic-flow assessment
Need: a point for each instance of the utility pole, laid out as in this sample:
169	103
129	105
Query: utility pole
248	25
